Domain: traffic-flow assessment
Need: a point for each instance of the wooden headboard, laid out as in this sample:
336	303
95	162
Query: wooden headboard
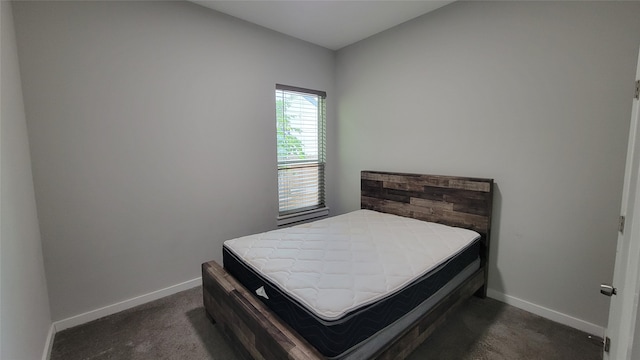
451	200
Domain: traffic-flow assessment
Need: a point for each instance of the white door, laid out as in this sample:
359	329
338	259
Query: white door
623	311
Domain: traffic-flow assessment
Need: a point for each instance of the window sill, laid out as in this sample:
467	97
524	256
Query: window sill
302	216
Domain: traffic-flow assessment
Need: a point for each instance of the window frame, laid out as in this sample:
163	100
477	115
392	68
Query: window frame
305	213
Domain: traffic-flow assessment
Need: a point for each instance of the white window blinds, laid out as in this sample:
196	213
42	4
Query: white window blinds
300	121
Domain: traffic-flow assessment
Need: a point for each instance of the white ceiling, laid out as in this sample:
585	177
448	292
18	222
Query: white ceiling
329	23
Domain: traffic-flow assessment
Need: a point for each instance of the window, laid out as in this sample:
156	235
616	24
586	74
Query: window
300	123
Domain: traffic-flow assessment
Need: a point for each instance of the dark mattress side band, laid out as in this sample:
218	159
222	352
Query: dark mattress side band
333	338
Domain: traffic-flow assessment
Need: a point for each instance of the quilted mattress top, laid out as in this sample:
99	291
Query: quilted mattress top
336	265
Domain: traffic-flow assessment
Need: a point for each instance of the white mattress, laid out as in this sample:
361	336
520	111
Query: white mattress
339	264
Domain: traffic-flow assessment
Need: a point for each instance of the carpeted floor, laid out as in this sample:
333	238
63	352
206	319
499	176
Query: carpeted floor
176	327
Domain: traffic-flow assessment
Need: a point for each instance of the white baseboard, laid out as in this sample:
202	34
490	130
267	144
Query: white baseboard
48	345
553	315
142	299
124	305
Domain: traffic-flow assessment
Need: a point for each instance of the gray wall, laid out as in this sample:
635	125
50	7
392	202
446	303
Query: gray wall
24	304
536	95
152	129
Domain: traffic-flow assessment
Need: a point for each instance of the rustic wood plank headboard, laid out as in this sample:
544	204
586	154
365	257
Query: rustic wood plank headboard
451	200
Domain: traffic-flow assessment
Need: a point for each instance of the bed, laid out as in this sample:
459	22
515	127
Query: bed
359	323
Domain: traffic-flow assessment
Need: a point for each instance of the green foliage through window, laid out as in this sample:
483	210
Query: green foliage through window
289	146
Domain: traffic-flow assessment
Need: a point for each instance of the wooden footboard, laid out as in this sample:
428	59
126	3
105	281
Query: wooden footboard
247	321
261	334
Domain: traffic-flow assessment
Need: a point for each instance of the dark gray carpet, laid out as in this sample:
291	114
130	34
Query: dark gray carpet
176	327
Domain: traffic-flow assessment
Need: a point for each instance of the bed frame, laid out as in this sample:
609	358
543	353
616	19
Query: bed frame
451	200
